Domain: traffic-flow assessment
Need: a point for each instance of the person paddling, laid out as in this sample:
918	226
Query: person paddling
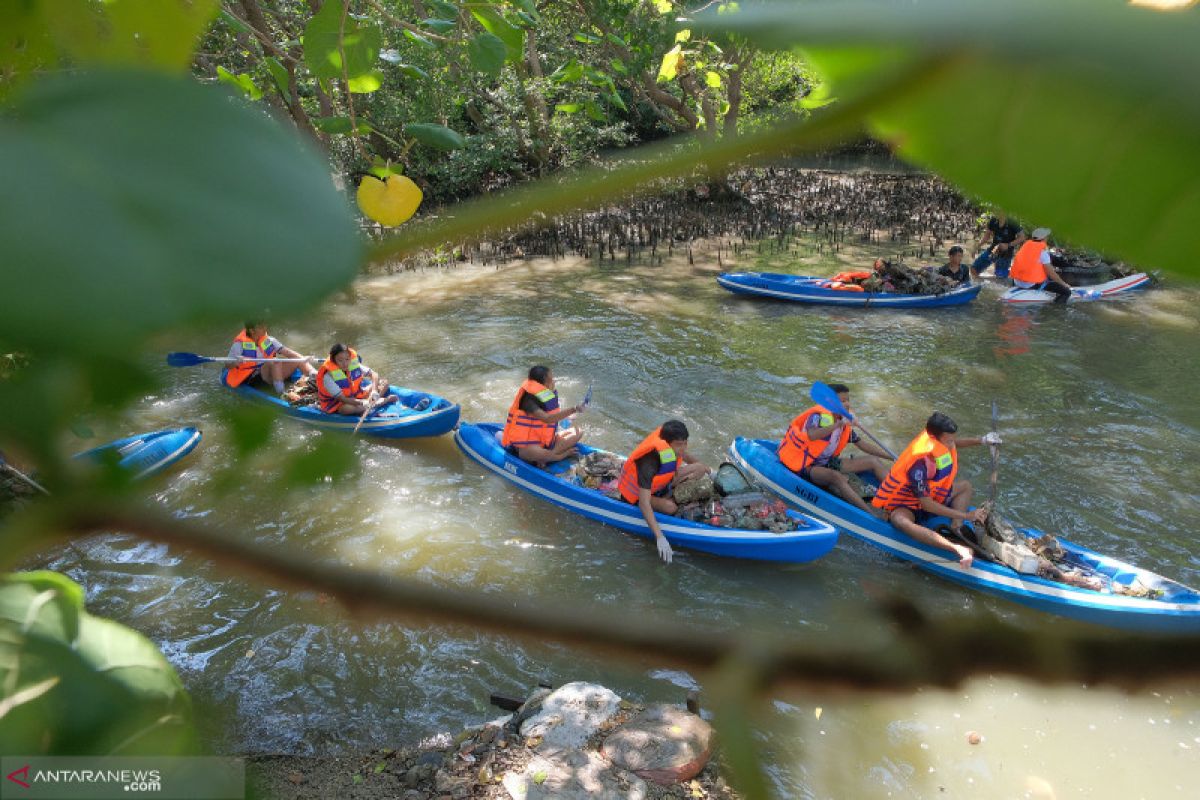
813	445
1032	269
922	485
255	343
654	466
531	430
347	386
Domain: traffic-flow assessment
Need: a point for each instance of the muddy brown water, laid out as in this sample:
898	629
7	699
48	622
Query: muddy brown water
1103	437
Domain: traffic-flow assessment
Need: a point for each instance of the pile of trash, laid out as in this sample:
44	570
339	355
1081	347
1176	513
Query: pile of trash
724	499
1048	559
727	499
895	276
303	392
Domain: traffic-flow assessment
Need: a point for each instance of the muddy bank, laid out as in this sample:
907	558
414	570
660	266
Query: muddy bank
830	209
579	741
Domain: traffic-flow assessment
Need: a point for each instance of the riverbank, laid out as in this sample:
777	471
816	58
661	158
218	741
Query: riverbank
574	742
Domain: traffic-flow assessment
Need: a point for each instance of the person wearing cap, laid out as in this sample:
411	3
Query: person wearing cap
1032	269
955	269
921	485
1006	236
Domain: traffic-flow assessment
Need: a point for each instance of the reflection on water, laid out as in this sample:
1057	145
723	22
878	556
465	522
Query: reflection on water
1100	422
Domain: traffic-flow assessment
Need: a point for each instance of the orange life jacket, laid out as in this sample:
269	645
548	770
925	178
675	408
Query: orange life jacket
349	381
237	374
668	463
842	287
851	277
523	430
1027	265
895	491
797	451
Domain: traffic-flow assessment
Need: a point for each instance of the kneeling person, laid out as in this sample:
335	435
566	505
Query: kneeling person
813	445
257	351
345	385
654	466
531	430
921	485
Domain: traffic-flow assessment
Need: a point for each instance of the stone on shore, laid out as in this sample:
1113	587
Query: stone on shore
664	744
573	775
570	715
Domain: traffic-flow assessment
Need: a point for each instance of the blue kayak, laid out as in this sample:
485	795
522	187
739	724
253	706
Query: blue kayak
810	289
1175	609
415	415
146	454
811	540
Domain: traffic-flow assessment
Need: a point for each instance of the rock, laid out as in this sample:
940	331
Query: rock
434	759
296	778
664	744
413	794
973	737
450	784
570	715
531	706
573	775
412	778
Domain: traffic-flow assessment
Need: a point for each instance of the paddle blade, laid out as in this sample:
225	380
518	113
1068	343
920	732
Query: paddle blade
587	397
185	359
822	395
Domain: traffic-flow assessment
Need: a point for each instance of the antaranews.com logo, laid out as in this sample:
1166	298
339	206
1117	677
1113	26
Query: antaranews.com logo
99	778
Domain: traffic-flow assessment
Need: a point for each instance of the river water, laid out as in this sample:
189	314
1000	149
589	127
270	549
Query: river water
1102	432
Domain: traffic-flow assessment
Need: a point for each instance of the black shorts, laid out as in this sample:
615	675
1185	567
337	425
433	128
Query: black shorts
834	463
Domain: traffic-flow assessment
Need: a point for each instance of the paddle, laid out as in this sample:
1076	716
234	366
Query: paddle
826	397
191	360
372	404
995	449
5	465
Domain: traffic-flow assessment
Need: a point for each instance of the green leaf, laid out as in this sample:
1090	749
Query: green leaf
235	23
111	152
154	33
366	82
616	100
413	72
25	43
663	6
682	36
428	44
1086	122
713	79
438	136
569	108
339	125
242	83
443	9
281	76
77	684
357	779
530	8
587	38
494	23
250	425
570	72
440	25
487	53
327	36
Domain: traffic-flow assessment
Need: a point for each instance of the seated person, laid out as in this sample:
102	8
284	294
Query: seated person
531	430
345	385
255	343
921	485
654	466
955	269
813	445
1032	269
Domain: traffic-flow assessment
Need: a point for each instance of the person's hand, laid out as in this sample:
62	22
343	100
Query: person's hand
976	516
664	549
965	556
579	409
991	438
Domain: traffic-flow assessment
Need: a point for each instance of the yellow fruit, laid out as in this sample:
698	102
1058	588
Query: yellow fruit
391	201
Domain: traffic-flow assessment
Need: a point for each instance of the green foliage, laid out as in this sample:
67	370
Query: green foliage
495	23
171	186
331	457
487	53
437	136
75	684
242	83
338	45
